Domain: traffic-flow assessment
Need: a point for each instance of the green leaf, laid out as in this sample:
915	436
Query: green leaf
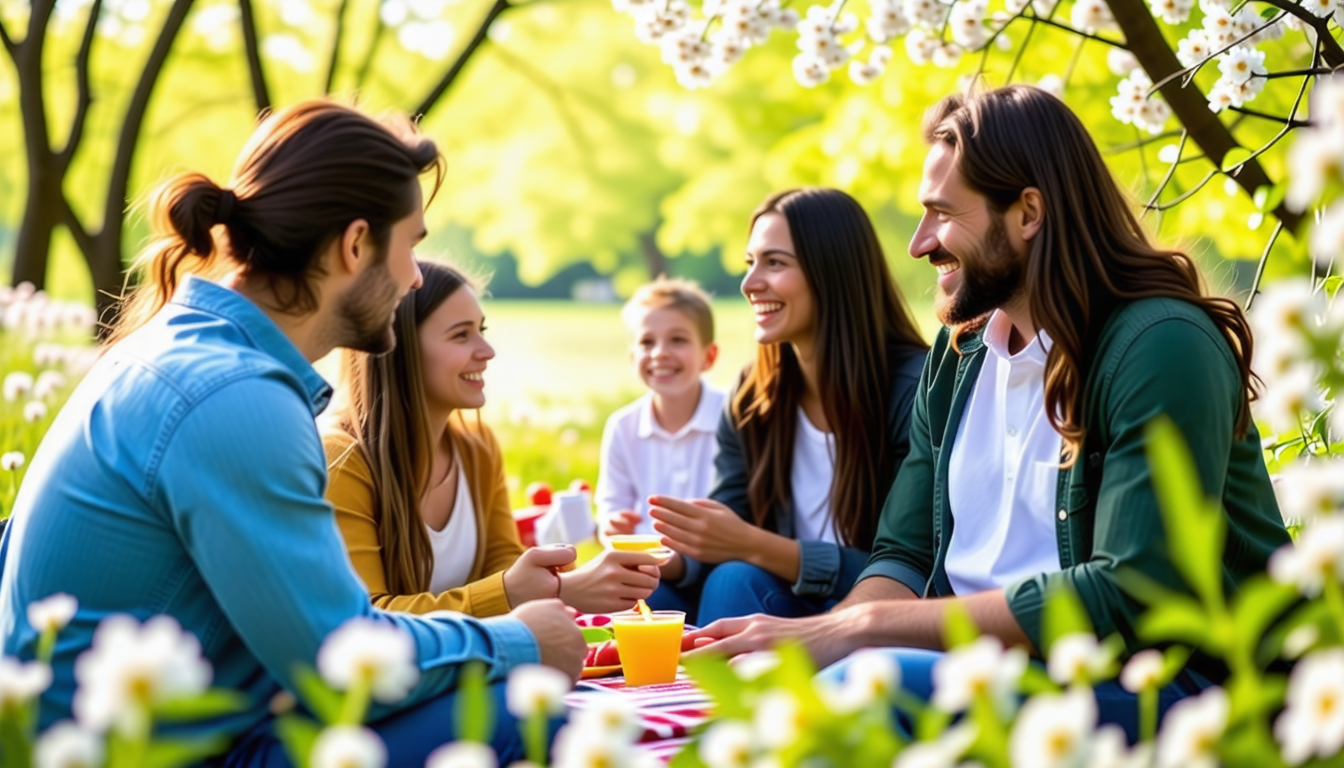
173	753
317	696
1182	620
597	634
1195	525
1235	157
689	756
216	702
958	627
1332	285
1064	615
297	734
474	704
1259	603
716	678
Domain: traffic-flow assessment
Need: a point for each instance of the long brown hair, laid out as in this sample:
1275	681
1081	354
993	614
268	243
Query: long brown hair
861	323
382	407
1091	256
306	173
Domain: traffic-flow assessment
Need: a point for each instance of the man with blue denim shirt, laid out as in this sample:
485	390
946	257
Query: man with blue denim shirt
185	476
1022	482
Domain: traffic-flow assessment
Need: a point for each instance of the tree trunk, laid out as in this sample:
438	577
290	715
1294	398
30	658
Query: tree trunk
43	205
654	258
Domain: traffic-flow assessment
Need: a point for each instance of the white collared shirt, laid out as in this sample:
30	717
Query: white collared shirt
1003	470
641	459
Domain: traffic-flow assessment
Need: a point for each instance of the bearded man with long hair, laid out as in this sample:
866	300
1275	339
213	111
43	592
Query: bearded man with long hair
1067	332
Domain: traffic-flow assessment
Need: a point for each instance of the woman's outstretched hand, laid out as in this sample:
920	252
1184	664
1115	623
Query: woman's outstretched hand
703	529
610	582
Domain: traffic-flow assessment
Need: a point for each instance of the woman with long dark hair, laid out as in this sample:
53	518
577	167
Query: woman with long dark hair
816	427
419	488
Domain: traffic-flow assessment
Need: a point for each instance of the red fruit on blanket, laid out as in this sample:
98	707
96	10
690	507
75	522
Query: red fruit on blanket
539	494
602	654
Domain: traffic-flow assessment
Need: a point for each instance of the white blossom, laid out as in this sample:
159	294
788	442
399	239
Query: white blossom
53	613
1053	730
1143	671
863	72
926	13
132	666
967	23
942	753
920	45
382	655
1092	16
810	71
17	383
1172	11
34	411
1079	659
871	676
779	718
1301	640
1327	238
577	746
1317	555
1053	85
1193	48
981	666
66	745
11	461
1121	62
1288	396
21	682
947	55
348	746
1315	157
1322	8
1241	64
613	715
48	383
1309	489
462	754
887	21
1312	722
533	688
1190	733
728	744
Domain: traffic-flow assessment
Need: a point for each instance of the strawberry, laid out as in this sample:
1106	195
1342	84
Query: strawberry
539	494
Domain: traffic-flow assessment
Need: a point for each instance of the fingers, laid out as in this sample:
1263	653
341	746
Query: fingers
679	506
629	559
721	628
552	556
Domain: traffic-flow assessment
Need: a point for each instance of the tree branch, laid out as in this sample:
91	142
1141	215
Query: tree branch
1059	25
77	231
1285	121
260	93
336	46
496	8
119	181
83	92
6	39
1188	74
1155	55
1334	55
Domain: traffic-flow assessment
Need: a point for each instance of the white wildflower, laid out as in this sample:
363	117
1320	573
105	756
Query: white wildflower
66	745
779	719
1327	238
1290	395
21	682
1312	722
727	744
920	45
34	411
382	655
810	71
1172	11
1053	730
577	746
1189	736
48	383
1317	555
1309	489
17	383
967	24
980	667
11	461
1241	64
53	613
533	688
1143	671
348	746
1193	48
130	667
462	754
1079	659
1092	16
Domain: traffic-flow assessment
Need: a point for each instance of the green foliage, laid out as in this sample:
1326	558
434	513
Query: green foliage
474	705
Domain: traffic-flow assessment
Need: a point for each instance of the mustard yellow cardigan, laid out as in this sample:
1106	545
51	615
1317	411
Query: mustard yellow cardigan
351	491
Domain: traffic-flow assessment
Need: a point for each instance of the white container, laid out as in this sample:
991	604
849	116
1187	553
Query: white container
569	521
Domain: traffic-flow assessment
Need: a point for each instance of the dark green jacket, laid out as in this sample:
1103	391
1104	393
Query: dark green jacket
1153	357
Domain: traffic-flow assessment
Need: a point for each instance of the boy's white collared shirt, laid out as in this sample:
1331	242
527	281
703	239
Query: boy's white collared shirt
641	459
1003	470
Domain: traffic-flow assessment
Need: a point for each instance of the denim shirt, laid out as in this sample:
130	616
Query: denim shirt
185	477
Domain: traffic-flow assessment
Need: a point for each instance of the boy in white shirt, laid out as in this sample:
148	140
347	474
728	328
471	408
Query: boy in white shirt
664	442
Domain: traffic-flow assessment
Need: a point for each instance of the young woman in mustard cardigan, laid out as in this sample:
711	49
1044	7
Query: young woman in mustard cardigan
419	488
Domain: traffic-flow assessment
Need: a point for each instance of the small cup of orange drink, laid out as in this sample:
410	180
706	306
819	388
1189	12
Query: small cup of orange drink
649	644
640	542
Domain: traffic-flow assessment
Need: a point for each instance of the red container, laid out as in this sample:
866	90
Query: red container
526	520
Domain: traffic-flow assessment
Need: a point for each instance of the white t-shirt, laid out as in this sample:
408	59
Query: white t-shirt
813	471
1003	470
641	459
455	546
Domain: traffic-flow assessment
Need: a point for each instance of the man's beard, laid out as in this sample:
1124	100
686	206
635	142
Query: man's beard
366	311
991	276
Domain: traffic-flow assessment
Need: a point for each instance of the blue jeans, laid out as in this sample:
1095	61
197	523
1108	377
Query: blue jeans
410	735
736	588
1115	705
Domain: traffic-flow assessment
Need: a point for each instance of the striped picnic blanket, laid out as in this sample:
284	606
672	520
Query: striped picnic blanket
668	713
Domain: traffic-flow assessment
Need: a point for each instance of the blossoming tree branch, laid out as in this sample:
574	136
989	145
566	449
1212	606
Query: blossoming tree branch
1160	50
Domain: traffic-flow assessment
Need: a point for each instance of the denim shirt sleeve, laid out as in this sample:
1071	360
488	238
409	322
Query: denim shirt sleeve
242	476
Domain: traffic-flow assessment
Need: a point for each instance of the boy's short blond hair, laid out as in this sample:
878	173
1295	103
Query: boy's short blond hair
685	296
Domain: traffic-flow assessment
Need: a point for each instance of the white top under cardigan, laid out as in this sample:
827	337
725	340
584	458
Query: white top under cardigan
812	475
455	546
1003	470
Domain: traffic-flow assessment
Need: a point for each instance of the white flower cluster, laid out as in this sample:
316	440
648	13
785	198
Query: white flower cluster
26	310
700	50
1133	106
1231	35
1317	159
1293	323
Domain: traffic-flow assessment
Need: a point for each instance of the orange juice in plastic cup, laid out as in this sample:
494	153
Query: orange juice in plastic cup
650	646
